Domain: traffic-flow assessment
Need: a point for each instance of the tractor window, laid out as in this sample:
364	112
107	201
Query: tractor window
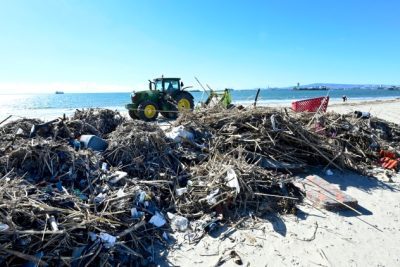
171	85
158	85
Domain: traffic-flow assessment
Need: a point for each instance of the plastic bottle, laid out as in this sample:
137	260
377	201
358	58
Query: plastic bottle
362	114
178	222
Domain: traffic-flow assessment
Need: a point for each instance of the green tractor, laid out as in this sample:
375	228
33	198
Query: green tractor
165	95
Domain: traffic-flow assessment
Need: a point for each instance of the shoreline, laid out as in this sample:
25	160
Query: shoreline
388	109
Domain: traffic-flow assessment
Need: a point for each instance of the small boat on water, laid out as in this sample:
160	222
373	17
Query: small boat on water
59	92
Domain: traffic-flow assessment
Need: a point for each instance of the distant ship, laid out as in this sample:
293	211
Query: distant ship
59	92
394	88
315	88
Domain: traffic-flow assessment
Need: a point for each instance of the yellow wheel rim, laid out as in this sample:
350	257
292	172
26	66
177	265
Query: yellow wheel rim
183	104
150	111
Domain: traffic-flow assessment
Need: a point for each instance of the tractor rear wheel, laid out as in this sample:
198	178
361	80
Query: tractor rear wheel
132	114
184	101
148	110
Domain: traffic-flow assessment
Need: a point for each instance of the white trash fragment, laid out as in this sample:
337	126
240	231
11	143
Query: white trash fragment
178	133
19	132
104	166
211	199
120	193
100	198
178	223
157	220
109	240
273	123
53	223
232	180
136	214
118	175
4	227
181	191
329	172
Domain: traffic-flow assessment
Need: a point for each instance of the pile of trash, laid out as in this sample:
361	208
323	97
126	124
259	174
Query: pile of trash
284	140
141	149
104	121
96	190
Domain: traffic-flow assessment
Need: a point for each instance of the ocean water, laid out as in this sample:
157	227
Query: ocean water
47	106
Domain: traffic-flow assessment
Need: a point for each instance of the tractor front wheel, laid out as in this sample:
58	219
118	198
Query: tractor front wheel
148	111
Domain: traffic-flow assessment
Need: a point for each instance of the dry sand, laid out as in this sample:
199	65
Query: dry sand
341	238
385	109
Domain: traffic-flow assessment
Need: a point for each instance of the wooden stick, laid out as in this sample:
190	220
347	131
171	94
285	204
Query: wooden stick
271	195
5	119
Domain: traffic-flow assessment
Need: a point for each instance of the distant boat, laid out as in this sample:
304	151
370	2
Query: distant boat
59	92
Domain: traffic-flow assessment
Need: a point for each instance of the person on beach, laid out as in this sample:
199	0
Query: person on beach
344	98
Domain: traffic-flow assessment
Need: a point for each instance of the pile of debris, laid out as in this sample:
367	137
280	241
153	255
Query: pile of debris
104	121
277	139
66	203
141	149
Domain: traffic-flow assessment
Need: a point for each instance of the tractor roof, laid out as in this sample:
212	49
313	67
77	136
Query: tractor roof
166	78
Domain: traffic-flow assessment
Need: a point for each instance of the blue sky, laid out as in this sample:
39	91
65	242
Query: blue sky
119	45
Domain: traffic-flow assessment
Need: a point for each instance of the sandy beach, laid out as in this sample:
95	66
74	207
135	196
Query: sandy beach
385	109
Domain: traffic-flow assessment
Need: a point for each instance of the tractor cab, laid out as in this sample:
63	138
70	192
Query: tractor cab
166	85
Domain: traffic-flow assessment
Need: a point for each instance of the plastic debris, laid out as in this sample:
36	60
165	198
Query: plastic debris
120	192
136	214
104	166
108	240
181	191
100	198
117	176
362	114
232	180
20	132
211	198
158	220
93	142
4	227
329	172
178	223
53	223
178	133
